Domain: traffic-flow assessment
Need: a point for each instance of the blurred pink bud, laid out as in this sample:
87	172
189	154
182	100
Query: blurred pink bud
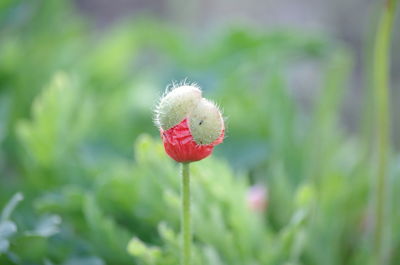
257	198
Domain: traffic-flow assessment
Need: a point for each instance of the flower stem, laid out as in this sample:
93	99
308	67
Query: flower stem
381	95
186	222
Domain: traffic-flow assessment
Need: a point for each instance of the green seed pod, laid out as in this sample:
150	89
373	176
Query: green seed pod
176	105
205	122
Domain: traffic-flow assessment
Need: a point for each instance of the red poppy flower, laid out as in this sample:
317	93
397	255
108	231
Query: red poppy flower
190	125
180	145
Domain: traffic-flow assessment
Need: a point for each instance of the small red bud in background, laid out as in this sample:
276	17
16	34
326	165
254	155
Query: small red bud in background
257	198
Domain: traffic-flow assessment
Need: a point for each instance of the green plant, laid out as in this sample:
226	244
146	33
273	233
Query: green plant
74	99
17	245
190	127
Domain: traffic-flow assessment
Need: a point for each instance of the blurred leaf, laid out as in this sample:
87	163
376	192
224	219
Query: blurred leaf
7	228
4	245
47	226
85	261
106	235
9	208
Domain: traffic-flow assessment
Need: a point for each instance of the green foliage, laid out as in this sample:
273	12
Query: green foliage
73	103
18	246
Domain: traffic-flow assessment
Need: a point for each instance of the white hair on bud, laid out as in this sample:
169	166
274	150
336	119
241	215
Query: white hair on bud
206	122
176	103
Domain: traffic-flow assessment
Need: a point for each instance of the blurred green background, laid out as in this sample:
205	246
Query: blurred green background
83	175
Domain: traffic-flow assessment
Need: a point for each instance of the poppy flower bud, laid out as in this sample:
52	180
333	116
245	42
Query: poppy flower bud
175	105
190	125
205	122
257	198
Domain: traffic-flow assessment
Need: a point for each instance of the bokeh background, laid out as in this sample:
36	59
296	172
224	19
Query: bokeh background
83	175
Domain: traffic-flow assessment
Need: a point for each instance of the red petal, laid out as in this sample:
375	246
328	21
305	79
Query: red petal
179	144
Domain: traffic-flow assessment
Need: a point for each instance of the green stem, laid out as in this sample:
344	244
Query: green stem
381	95
186	222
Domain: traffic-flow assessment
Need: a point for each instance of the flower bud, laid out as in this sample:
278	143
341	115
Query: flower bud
257	198
190	125
205	122
176	105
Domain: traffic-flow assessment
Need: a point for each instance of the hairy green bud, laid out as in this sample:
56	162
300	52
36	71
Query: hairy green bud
205	122
176	105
